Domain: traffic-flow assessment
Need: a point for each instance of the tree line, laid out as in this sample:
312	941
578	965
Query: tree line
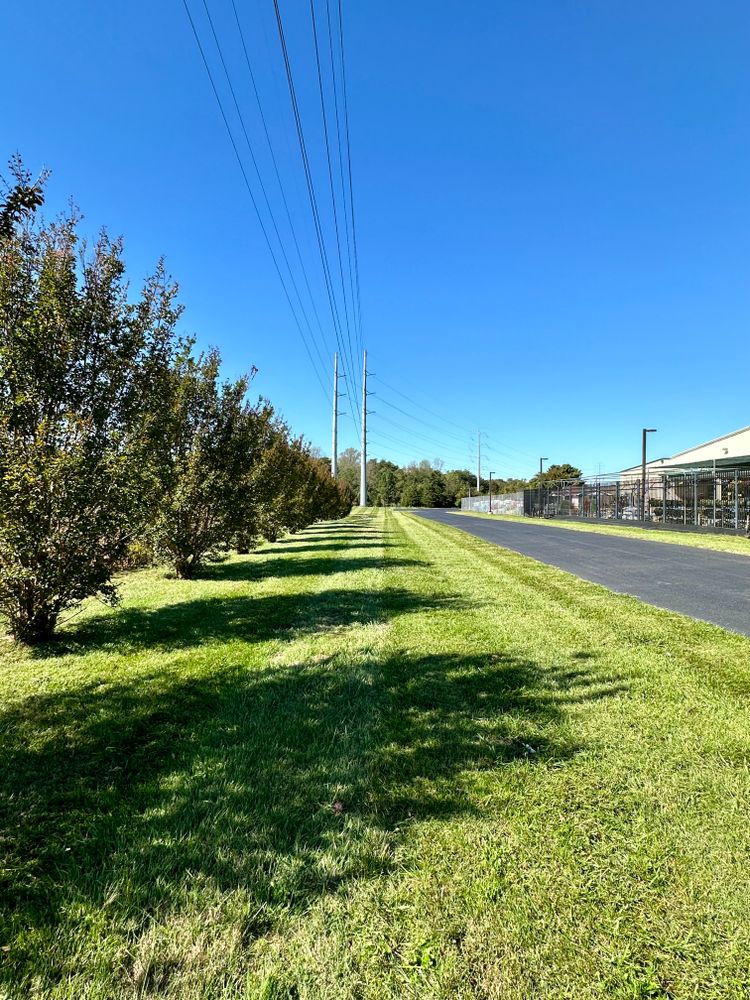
428	484
119	443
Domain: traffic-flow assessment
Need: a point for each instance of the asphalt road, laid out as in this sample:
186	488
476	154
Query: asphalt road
711	586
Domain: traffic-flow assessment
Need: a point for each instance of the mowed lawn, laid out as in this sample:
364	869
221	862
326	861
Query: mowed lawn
377	759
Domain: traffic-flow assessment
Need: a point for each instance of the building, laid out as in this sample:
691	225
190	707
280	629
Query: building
732	451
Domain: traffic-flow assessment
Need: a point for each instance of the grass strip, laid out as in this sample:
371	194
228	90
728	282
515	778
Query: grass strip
378	759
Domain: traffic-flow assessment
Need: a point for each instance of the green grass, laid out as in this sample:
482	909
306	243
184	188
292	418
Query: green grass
719	543
380	759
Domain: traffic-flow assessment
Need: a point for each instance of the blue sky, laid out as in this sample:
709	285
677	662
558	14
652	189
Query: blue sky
552	206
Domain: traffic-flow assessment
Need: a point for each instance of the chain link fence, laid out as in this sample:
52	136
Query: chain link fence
700	499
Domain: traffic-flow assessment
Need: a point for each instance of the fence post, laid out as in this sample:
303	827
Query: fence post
695	499
684	500
714	482
736	500
664	500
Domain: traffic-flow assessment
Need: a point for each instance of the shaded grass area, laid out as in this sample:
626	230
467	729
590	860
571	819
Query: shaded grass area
694	539
378	759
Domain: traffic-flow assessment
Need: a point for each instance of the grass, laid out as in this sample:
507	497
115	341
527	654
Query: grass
380	759
719	543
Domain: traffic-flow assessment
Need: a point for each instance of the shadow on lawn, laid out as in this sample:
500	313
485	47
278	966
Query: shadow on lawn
214	620
283	566
230	778
324	546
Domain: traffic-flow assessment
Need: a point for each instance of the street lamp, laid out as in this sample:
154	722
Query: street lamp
491	475
646	430
541	473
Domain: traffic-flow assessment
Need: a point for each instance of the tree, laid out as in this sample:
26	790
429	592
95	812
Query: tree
348	469
457	484
81	378
555	473
383	483
422	486
21	198
213	442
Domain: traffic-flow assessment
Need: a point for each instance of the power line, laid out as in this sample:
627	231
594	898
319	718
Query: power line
504	455
449	449
349	169
326	137
408	448
421	406
275	165
311	192
356	312
252	196
427	423
519	451
260	178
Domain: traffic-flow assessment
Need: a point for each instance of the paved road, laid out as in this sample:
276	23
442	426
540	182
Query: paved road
711	586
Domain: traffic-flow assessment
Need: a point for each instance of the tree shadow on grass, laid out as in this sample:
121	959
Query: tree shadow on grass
221	619
227	779
319	547
283	566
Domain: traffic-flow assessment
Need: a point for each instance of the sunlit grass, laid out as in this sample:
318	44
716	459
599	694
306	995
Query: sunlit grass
378	759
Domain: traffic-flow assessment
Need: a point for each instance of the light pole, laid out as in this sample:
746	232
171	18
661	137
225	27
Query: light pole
541	473
491	475
646	430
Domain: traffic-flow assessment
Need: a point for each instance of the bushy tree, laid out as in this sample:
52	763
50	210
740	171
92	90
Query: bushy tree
457	483
348	470
383	483
292	488
213	441
555	473
81	374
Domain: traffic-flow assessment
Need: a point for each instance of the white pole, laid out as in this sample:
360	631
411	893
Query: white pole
363	450
334	436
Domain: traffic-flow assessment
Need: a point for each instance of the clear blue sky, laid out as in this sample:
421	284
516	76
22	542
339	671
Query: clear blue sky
552	203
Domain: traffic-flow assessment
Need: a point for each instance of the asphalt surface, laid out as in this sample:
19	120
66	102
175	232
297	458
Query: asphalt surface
711	586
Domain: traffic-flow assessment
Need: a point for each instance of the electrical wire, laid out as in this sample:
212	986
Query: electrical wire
243	127
356	311
311	193
349	171
252	197
406	448
427	423
422	439
421	406
324	116
275	165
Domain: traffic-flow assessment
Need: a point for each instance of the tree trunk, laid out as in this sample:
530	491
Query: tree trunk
37	627
185	568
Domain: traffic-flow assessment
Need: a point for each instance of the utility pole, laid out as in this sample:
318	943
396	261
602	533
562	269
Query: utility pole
335	432
541	498
646	430
479	460
363	449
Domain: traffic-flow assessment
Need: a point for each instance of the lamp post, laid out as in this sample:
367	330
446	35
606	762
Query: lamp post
646	430
491	475
541	473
